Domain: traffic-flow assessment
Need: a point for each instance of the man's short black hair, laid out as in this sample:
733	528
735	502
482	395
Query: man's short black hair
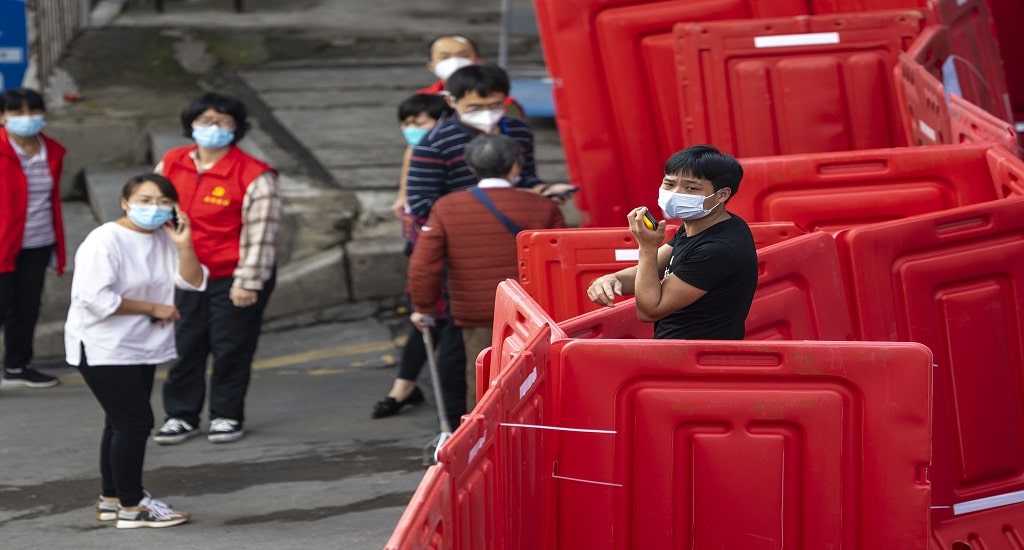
492	155
434	105
221	103
14	99
482	79
457	37
706	163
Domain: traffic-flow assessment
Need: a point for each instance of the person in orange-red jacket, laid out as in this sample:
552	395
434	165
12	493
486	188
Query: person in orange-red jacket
233	201
470	241
31	228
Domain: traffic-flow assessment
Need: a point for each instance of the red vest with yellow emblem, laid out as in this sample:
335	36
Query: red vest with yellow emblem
213	201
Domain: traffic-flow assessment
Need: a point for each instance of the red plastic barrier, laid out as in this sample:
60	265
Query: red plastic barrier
799	292
743	444
989	529
922	98
832	191
1007	172
1008	16
594	57
473	460
793	85
798	297
954	281
972	124
517	320
523	388
769	233
557	265
427	520
978	65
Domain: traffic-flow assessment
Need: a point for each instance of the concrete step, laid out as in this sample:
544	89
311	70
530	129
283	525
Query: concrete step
103	186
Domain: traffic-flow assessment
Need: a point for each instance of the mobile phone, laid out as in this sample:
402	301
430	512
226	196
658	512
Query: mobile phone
564	195
174	219
649	221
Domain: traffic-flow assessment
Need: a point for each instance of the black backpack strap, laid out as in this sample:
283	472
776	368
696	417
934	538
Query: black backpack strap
482	197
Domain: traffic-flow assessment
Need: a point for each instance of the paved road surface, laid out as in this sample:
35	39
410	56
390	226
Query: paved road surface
312	472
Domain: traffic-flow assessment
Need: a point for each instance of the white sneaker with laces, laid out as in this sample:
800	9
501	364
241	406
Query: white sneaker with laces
225	430
174	431
151	513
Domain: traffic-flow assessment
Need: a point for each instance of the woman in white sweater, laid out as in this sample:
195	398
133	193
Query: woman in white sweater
121	325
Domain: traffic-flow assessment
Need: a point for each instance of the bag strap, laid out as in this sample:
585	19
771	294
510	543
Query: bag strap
482	197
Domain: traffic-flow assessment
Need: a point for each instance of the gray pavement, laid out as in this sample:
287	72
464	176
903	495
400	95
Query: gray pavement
313	471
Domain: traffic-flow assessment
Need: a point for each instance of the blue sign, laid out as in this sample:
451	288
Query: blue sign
13	43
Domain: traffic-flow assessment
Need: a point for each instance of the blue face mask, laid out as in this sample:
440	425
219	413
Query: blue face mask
25	125
149	216
212	137
413	136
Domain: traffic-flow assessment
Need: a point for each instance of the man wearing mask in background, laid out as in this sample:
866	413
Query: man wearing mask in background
699	285
449	53
477	94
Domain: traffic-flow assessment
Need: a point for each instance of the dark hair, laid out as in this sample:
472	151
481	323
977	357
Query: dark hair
15	99
162	183
706	163
492	155
221	103
434	105
457	37
482	79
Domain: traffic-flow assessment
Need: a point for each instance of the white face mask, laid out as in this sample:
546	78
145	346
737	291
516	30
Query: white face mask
482	120
683	207
444	68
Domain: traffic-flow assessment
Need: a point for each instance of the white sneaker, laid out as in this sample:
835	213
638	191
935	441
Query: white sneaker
174	431
225	430
151	513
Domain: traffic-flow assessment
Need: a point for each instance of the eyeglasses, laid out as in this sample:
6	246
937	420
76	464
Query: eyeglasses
227	124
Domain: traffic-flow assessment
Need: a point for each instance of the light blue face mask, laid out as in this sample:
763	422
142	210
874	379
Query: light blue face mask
413	136
149	216
25	125
212	137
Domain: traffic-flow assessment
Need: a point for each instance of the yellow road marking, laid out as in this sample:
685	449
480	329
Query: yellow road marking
266	363
326	353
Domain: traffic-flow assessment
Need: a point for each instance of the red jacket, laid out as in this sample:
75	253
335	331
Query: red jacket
478	250
213	202
14	202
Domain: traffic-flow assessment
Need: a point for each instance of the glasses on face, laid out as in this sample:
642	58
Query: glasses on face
163	203
476	108
225	123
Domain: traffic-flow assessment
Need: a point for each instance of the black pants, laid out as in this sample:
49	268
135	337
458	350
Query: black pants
21	293
451	361
124	392
211	324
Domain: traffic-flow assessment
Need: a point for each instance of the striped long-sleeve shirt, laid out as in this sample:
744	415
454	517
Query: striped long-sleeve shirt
437	166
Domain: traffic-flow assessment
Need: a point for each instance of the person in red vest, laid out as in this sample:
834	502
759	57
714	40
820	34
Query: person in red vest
31	228
233	201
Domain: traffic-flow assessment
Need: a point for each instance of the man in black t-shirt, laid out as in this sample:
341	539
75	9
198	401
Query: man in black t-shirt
701	283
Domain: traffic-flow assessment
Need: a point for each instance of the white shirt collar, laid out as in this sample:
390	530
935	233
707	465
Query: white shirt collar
490	183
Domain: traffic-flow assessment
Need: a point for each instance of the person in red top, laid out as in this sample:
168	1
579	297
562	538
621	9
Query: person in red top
233	201
466	242
31	228
451	52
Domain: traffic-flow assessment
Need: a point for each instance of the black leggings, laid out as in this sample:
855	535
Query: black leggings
21	293
124	392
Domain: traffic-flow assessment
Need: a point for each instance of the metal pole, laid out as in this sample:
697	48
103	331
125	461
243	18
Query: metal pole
503	36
